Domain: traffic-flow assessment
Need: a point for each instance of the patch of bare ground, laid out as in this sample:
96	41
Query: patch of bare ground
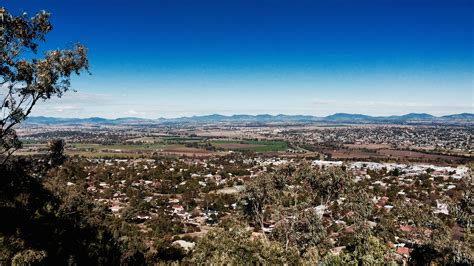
368	146
414	154
354	154
186	151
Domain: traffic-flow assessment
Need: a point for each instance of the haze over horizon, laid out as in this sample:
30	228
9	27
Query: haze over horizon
183	58
255	115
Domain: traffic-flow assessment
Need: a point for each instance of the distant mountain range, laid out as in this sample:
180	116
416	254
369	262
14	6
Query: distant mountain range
412	118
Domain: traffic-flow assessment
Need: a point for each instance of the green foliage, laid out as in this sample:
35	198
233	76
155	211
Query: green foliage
443	253
258	193
234	246
165	225
326	184
302	230
28	81
366	251
359	210
52	218
56	152
29	257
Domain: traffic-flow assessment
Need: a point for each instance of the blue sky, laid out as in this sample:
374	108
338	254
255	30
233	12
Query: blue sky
185	57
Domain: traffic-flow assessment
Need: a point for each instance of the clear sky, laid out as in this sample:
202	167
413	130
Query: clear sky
187	57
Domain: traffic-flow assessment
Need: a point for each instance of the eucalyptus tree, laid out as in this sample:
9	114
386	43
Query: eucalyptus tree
27	78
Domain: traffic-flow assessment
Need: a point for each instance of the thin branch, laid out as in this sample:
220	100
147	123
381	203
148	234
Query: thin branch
10	153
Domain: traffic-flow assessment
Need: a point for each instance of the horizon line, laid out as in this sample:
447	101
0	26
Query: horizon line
260	114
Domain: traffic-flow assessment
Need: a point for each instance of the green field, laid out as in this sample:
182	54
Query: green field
118	150
167	145
151	146
251	145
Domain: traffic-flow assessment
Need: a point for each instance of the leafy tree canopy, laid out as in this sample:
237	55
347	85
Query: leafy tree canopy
26	78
